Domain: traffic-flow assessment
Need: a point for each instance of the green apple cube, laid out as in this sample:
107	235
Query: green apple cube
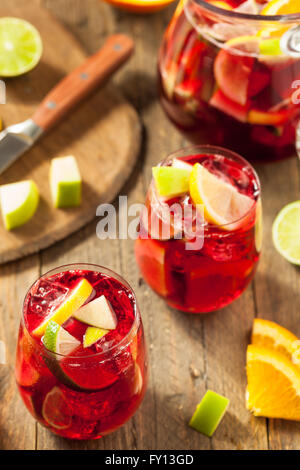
65	182
92	335
98	313
178	163
19	202
270	47
209	413
170	181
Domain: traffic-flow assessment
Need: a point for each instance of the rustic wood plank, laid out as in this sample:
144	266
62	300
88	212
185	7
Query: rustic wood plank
277	283
17	427
187	354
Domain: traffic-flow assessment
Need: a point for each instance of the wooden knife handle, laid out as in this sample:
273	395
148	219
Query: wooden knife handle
82	81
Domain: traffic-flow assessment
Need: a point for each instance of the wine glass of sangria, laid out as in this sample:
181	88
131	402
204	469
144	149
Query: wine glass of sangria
81	364
201	229
229	74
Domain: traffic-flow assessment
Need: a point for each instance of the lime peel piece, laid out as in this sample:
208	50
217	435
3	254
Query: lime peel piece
92	335
70	305
209	413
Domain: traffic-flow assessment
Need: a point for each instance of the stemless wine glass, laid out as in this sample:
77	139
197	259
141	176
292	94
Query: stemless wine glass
230	77
205	277
92	391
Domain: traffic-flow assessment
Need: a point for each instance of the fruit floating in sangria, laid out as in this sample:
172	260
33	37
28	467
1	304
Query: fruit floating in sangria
200	233
81	364
227	75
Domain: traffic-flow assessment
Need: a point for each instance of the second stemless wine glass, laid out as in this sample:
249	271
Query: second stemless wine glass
229	77
93	390
210	277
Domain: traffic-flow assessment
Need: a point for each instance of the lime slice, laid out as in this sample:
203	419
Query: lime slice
286	232
222	202
170	181
58	340
21	47
93	335
70	305
19	202
56	411
209	413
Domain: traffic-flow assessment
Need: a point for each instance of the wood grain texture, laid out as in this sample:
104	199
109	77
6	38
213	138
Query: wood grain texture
187	354
103	134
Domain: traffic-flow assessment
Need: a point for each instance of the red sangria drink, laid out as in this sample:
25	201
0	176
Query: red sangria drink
81	365
228	72
201	254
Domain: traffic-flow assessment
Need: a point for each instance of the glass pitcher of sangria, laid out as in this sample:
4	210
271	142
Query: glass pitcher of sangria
229	74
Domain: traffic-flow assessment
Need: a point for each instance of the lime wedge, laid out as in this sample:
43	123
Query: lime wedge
170	181
286	232
21	47
58	340
70	305
209	413
92	335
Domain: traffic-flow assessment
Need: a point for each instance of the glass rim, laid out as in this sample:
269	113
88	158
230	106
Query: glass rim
288	18
101	269
207	149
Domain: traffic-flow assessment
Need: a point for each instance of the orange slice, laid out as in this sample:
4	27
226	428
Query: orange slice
222	202
281	7
140	6
273	388
273	336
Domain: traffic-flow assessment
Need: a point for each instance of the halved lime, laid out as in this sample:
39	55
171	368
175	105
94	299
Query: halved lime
286	232
20	45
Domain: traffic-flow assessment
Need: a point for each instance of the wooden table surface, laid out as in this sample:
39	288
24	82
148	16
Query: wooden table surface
188	354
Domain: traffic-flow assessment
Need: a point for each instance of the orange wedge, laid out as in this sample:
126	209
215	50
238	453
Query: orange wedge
270	335
140	6
273	388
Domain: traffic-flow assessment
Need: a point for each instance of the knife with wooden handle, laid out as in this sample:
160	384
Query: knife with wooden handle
70	91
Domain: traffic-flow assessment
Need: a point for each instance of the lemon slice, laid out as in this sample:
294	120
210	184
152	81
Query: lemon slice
286	232
21	47
71	304
92	335
221	201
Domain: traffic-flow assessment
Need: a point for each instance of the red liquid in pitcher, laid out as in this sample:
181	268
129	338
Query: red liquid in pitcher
96	389
226	86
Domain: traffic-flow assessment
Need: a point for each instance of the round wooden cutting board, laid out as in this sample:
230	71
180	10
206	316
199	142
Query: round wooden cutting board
104	134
